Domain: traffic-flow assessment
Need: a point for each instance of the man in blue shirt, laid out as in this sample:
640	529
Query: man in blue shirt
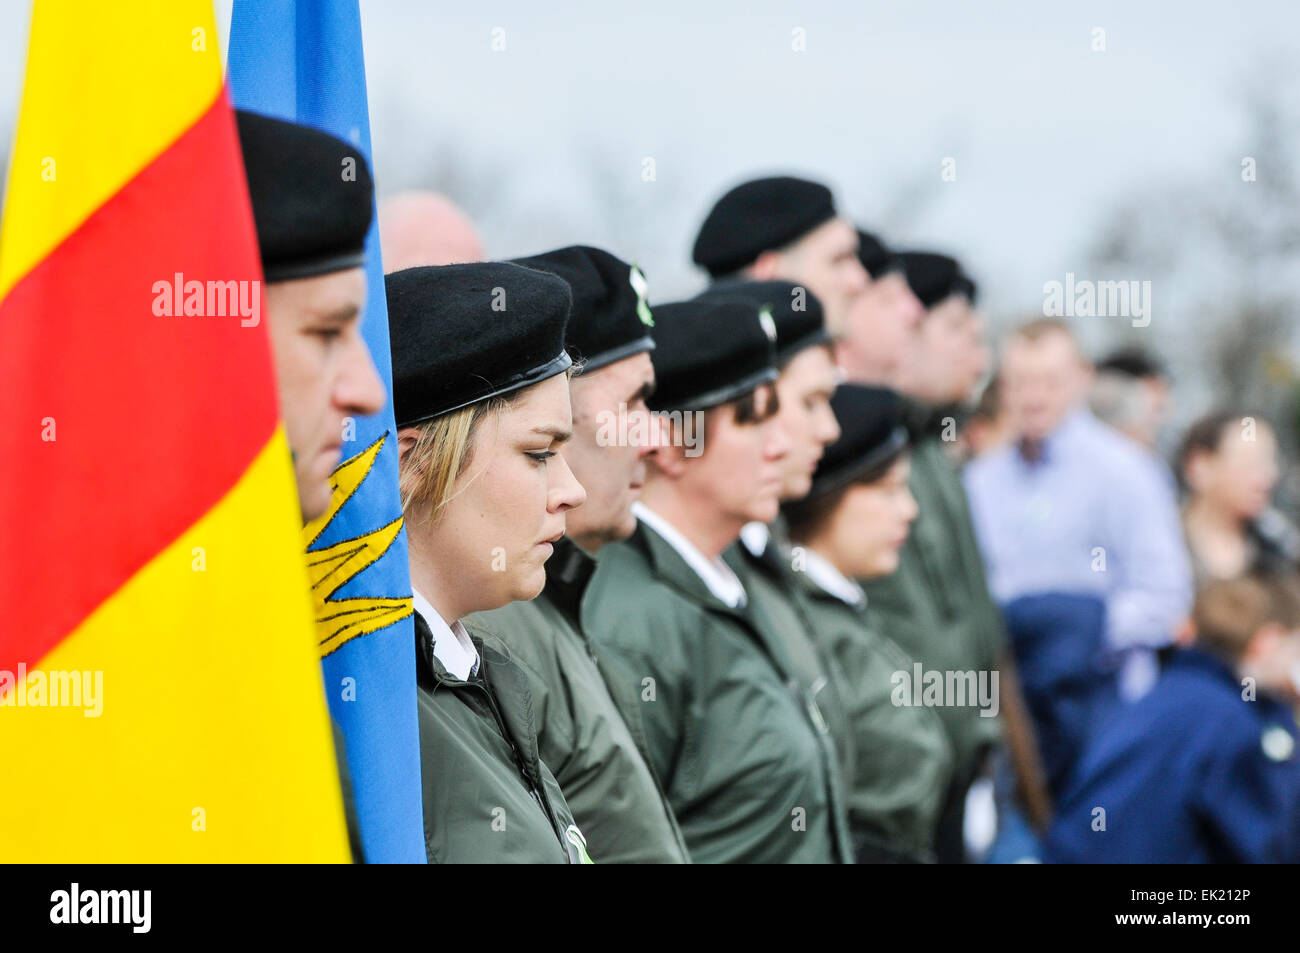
1071	506
1204	769
1080	535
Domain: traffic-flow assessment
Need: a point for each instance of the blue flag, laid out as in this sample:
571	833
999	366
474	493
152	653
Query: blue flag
303	62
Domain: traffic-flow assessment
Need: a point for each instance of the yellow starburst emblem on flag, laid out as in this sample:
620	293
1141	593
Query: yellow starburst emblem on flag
341	620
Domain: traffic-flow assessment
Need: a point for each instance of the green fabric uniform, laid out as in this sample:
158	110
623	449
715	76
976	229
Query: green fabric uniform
937	605
597	753
488	798
748	775
778	609
904	761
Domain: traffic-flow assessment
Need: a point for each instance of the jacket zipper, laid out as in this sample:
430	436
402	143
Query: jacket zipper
538	795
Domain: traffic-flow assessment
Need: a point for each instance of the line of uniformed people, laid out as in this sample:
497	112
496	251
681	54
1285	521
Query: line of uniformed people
625	650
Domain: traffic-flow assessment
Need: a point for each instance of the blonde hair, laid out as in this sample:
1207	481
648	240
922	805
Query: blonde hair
442	451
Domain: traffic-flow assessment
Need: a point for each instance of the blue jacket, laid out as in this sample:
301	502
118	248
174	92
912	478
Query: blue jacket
1190	774
1059	644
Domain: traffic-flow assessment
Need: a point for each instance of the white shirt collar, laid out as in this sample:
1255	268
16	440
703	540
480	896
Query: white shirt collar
451	643
755	536
840	586
715	573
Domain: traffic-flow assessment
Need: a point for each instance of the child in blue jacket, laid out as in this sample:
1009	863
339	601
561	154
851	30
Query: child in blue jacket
1205	768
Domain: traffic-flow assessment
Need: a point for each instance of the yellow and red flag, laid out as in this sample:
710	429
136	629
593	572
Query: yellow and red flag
160	689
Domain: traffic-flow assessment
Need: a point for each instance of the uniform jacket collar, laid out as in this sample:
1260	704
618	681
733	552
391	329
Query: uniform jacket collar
502	679
928	420
568	572
766	559
668	565
1270	710
816	593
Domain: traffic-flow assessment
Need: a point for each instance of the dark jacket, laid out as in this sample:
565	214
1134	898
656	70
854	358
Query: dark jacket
1059	640
729	732
777	607
937	605
488	798
594	743
904	760
1192	773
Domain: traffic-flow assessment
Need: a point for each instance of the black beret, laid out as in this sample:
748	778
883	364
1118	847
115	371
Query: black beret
710	351
311	219
876	256
873	432
795	311
933	277
757	216
611	319
463	333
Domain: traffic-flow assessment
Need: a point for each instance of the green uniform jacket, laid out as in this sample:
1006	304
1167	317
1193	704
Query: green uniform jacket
598	756
747	774
488	798
778	610
937	605
904	759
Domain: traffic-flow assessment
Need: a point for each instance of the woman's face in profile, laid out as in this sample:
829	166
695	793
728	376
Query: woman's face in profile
1240	476
509	503
871	522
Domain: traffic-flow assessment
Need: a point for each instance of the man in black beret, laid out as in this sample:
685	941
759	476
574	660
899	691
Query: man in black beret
312	199
785	227
589	724
949	355
729	729
937	604
877	338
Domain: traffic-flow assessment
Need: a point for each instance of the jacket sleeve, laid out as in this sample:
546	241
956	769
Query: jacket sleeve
1154	590
641	645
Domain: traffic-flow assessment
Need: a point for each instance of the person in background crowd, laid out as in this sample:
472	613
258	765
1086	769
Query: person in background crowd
425	228
1204	769
1130	391
731	733
1049	515
1081	537
937	605
590	734
852	525
481	401
1228	465
986	426
787	228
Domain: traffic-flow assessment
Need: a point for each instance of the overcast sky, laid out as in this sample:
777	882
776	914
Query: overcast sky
548	138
